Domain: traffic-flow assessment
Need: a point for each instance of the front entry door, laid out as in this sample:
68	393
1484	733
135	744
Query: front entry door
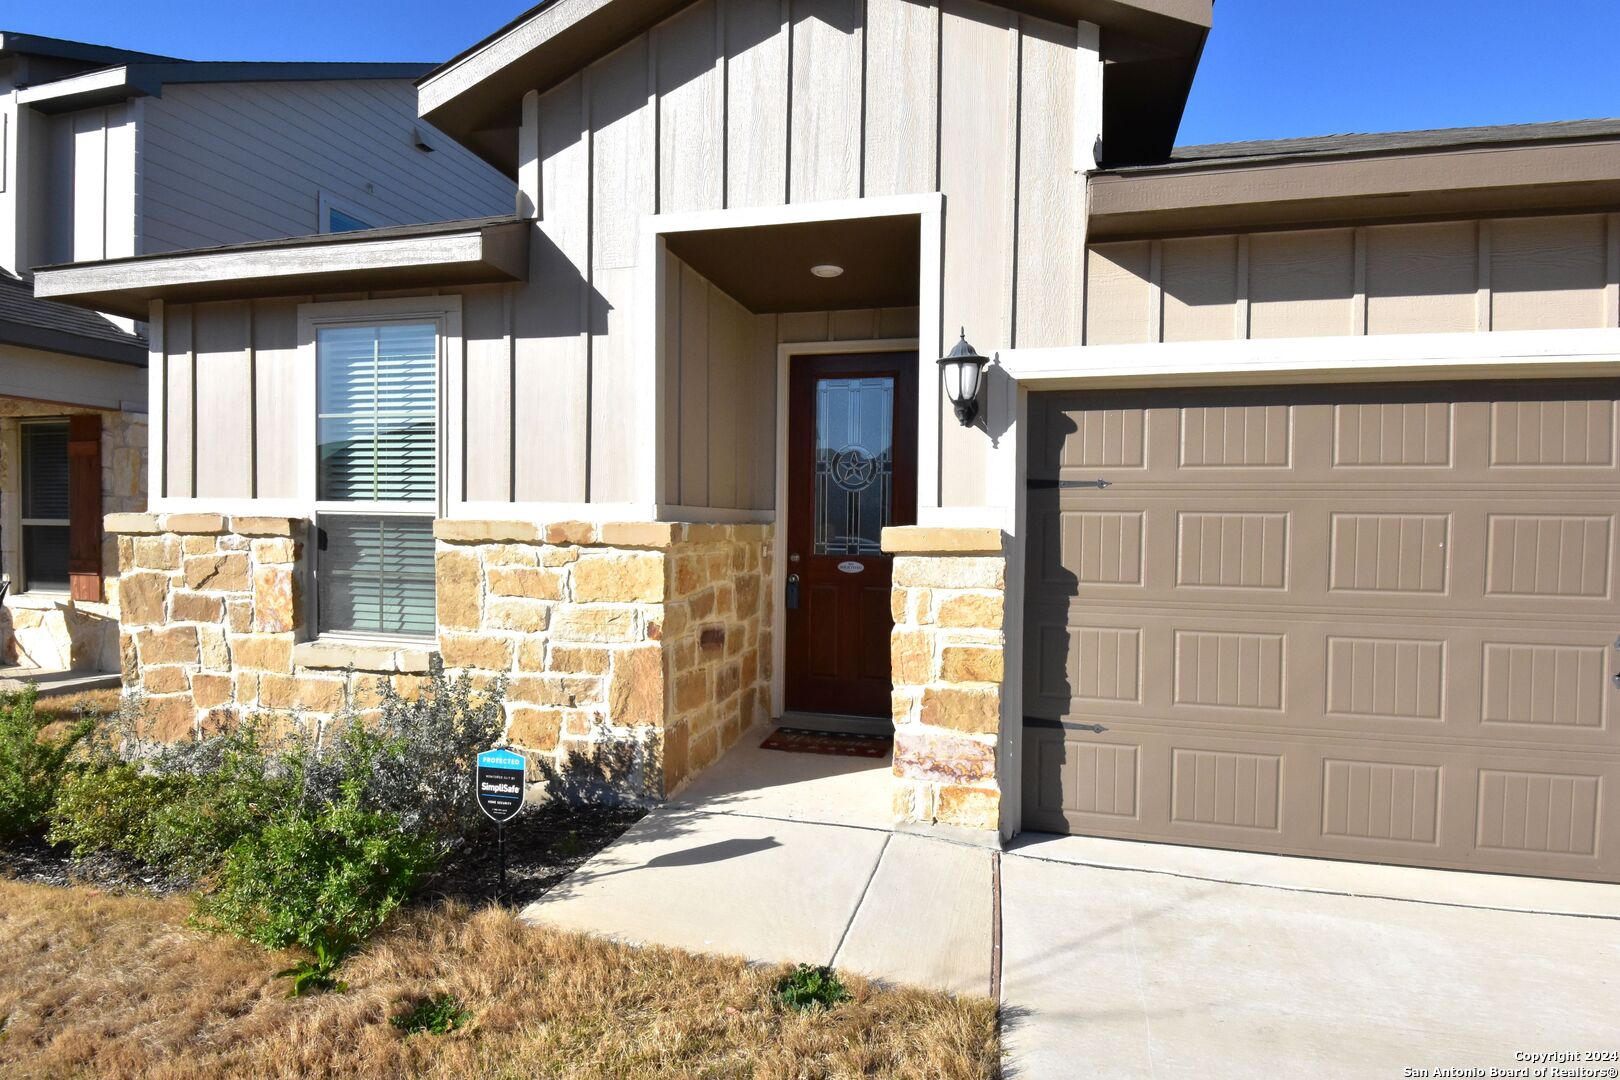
852	469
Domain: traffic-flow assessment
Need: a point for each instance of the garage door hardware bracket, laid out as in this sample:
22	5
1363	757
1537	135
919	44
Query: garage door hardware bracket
1037	484
1094	728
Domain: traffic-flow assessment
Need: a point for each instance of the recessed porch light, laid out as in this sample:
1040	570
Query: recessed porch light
827	270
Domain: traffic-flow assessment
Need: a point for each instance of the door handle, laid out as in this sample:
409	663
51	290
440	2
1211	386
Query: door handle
792	599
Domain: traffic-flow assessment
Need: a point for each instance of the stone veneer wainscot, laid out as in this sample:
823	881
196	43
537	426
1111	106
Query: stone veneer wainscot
946	651
635	653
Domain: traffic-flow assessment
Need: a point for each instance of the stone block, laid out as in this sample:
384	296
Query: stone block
320	695
246	685
157	552
540	690
211	646
413	661
266	526
969	807
587	624
523	581
262	652
165	680
691	690
976	711
129	664
674	758
619	578
239	614
510	555
971	663
531	653
476	651
527	616
275	600
748	593
131	524
911	657
460	587
535	729
577	659
278	691
209	524
559	556
570	532
486	532
204	544
971	610
333	656
942	758
636	692
170	719
196	607
966	572
209	691
933	540
141	599
218	573
640	534
727	681
275	550
169	645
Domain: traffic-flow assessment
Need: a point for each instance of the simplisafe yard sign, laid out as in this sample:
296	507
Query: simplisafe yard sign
501	781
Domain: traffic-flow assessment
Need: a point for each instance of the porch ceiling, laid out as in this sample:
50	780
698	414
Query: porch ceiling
766	268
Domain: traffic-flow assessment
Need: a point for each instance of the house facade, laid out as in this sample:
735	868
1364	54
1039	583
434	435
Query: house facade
1284	519
108	153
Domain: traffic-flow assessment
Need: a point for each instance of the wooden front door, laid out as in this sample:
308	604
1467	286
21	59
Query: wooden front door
852	469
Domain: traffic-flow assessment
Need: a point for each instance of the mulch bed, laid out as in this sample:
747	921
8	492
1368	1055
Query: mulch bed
544	845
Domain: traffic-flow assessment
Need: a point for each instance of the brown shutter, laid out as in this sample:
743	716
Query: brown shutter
84	506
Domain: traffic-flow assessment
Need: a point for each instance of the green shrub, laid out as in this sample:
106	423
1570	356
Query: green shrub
182	808
810	987
322	881
437	1015
32	764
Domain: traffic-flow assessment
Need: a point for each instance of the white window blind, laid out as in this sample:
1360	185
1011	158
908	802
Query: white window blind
378	434
377	574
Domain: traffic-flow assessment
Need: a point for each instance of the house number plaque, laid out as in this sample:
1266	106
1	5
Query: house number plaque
851	567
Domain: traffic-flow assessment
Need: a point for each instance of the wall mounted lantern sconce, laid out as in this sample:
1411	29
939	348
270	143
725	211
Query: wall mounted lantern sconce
963	369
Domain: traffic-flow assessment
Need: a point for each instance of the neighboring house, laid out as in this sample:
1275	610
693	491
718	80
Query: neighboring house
107	153
1286	522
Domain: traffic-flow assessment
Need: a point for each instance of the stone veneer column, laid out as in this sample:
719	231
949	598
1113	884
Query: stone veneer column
635	652
946	655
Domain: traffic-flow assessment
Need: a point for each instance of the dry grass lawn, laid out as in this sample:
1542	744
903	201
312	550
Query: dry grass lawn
118	986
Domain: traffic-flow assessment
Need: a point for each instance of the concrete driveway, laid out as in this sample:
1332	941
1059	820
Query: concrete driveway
1169	962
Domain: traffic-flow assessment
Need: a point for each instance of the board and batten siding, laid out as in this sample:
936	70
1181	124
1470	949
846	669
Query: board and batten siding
754	103
225	163
92	203
1533	273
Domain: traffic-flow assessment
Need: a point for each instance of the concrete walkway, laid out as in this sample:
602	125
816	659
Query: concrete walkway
1168	963
786	858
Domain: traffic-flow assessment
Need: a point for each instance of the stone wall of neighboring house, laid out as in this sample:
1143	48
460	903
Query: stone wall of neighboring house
51	631
948	603
634	654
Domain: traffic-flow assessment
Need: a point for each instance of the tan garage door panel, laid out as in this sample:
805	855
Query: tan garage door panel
1362	622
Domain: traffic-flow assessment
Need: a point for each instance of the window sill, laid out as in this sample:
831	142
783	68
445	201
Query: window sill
330	654
40	599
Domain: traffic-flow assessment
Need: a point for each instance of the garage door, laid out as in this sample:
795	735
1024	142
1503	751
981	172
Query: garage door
1363	623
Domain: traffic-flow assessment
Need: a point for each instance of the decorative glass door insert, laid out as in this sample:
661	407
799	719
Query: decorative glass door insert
854	464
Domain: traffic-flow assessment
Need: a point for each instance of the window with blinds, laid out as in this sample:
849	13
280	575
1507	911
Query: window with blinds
45	506
378	454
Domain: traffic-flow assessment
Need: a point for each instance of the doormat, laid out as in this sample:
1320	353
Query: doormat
838	743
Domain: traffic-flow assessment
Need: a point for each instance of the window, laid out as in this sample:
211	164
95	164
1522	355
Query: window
45	506
376	477
338	221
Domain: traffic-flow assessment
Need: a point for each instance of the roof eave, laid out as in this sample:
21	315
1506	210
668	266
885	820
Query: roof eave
1328	191
477	253
25	335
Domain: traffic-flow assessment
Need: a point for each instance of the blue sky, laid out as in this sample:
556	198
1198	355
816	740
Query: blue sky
1273	68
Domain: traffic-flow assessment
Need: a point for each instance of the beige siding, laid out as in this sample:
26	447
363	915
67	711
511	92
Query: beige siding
91	202
230	162
1536	273
750	103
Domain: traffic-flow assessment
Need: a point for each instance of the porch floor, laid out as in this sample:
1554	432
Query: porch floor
789	857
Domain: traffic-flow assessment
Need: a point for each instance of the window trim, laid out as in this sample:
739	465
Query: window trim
445	313
22	578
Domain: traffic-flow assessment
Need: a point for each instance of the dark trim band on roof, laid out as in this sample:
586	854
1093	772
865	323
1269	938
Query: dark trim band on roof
148	80
480	251
1426	179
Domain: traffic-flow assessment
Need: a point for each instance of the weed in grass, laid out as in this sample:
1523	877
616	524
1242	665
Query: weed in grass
811	987
570	846
438	1015
317	974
